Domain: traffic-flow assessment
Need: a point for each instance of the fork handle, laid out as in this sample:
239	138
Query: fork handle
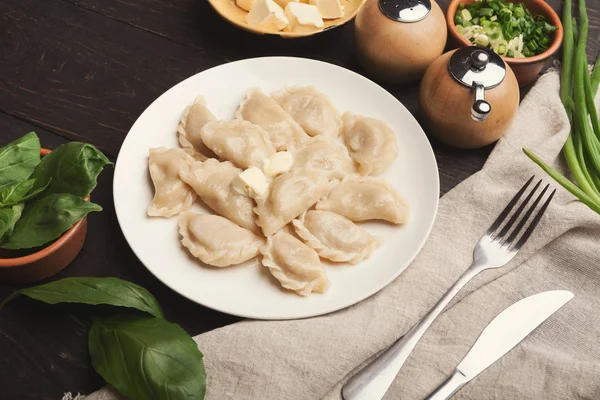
373	380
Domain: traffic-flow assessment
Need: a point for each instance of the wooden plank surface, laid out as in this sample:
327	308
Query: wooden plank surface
85	70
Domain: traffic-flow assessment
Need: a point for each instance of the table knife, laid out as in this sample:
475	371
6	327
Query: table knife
505	331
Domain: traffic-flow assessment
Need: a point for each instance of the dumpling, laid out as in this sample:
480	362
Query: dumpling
241	142
371	143
326	155
289	195
192	120
295	265
171	194
311	109
365	198
211	180
262	110
335	237
217	241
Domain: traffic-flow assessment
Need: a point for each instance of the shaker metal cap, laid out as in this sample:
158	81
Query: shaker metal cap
478	69
405	10
474	64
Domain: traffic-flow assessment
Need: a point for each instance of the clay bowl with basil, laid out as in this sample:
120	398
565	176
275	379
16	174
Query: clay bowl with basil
42	263
526	69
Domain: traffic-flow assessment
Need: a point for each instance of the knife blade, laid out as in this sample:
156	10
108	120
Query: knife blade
505	331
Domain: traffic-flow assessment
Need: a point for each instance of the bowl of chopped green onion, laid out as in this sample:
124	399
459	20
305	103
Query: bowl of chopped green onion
524	34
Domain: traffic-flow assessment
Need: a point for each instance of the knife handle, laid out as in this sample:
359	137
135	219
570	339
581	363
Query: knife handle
449	387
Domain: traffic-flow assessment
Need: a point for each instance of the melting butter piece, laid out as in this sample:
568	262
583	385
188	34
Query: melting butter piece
303	17
329	9
278	163
250	183
267	14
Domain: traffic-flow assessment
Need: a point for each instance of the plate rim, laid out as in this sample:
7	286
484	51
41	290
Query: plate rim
304	315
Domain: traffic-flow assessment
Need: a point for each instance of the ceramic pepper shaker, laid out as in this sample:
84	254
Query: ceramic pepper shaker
469	97
396	40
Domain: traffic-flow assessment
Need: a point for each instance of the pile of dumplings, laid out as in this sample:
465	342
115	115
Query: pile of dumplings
307	213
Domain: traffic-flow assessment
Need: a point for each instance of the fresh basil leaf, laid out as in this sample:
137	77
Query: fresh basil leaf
94	291
147	358
5	218
72	168
18	159
45	219
8	218
15	192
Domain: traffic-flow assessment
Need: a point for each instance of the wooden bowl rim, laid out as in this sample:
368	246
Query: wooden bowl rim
547	11
46	251
283	34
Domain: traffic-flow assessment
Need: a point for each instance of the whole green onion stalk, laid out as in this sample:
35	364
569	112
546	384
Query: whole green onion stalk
577	91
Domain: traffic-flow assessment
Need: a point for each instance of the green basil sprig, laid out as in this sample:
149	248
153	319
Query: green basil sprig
8	218
46	219
72	168
142	355
93	291
147	358
19	192
50	191
18	159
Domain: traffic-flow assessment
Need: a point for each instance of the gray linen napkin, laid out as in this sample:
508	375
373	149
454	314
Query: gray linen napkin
310	359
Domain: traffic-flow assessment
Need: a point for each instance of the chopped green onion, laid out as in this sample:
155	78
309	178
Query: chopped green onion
508	24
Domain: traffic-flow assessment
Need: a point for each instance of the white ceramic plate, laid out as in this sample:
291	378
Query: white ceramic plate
248	290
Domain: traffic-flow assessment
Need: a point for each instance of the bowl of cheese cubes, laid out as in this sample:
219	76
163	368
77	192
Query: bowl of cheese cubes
287	18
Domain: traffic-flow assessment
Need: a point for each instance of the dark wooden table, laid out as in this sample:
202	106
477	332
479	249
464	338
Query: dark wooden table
84	70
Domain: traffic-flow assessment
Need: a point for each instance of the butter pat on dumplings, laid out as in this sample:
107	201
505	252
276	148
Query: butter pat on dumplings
278	163
251	183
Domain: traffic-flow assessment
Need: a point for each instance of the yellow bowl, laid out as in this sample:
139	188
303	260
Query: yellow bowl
237	16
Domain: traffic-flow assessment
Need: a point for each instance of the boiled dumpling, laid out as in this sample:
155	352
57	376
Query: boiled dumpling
171	194
335	237
262	110
371	143
289	195
295	265
313	110
326	155
365	198
192	120
241	142
217	241
211	180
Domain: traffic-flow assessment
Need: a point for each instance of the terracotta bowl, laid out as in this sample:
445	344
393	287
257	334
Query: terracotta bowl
525	69
48	261
237	16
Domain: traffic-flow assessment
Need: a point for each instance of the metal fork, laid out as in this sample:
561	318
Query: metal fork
496	248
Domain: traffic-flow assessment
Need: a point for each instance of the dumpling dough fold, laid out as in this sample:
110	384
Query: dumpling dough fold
311	109
288	196
217	241
366	198
211	180
192	120
171	194
262	110
294	264
371	143
335	237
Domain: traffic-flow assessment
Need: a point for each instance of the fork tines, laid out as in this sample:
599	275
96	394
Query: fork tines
507	235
